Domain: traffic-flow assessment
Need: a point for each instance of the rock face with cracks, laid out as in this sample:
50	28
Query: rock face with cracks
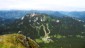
17	41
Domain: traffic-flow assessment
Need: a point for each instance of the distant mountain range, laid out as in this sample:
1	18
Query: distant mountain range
16	14
79	15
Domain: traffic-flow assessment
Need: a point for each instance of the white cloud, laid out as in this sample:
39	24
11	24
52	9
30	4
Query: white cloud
43	4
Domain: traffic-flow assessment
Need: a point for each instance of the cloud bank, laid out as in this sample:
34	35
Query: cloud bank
61	5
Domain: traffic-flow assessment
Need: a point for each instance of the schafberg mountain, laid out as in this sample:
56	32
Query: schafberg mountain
37	25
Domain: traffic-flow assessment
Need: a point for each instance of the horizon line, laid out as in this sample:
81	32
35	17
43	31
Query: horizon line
37	10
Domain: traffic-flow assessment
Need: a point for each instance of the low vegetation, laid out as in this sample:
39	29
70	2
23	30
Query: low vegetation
17	41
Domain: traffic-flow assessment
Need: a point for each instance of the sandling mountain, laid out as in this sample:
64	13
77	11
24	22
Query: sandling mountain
36	25
58	32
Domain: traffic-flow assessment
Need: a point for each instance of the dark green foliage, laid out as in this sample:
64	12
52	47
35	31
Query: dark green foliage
65	43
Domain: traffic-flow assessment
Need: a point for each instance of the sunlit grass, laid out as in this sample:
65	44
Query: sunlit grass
39	40
11	41
16	41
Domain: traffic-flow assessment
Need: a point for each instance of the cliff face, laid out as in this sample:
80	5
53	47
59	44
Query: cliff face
17	41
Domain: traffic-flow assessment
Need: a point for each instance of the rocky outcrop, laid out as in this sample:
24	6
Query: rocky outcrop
17	41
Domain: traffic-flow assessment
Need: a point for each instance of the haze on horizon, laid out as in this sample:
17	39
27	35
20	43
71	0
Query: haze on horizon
59	5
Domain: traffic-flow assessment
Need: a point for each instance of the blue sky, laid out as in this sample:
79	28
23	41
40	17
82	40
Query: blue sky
60	5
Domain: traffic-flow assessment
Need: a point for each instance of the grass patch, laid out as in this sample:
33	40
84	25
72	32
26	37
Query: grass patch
39	40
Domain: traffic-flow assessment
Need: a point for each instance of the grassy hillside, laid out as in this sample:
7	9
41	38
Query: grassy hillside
16	41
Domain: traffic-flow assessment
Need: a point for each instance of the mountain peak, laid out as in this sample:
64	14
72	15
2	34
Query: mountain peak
33	14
